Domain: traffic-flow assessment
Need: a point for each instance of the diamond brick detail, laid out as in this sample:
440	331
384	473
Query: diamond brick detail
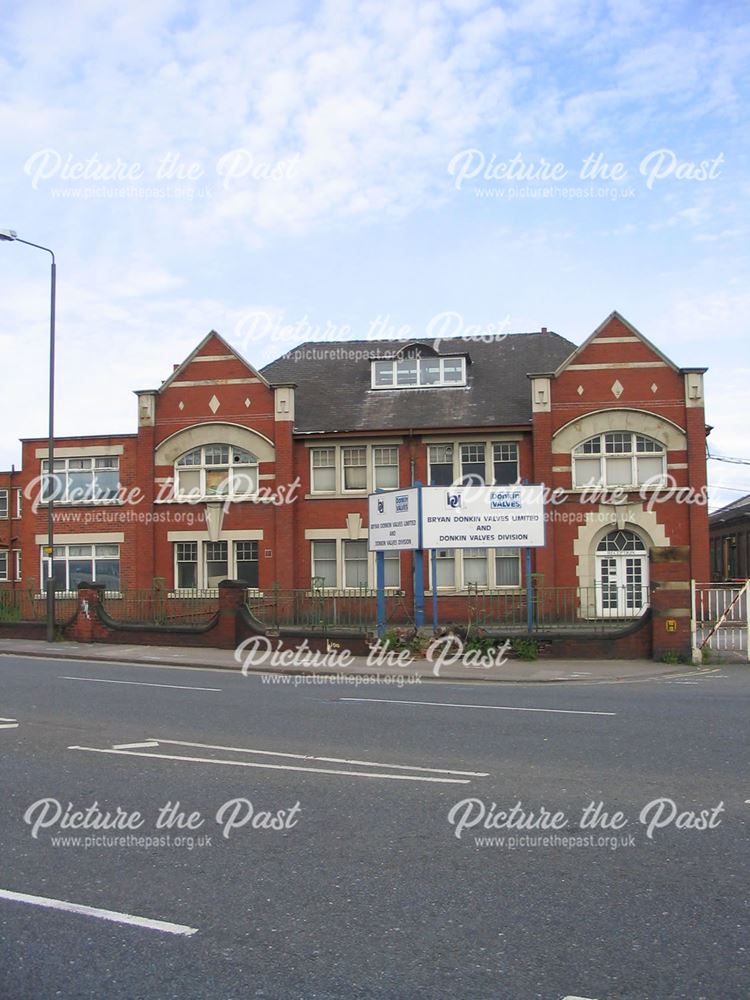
247	402
617	388
213	404
180	405
654	387
579	390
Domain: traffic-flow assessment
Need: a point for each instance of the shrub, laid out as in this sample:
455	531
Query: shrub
525	649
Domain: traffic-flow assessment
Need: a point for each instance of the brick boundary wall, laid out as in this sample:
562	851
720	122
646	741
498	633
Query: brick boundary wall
662	630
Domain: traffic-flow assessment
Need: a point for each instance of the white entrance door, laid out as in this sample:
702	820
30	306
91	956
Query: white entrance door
621	575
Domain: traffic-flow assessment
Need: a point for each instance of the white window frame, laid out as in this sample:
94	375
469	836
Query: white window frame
632	453
17	564
341	581
333	465
4	563
4	504
363	465
460	585
201	562
457	445
43	561
204	467
339	452
441	383
392	465
62	465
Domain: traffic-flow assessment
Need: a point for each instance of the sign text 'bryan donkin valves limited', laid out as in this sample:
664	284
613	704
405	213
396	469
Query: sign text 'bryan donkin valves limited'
457	517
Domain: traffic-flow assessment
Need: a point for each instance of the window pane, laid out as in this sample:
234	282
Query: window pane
591	447
619	471
650	469
441	465
383	372
107	463
587	471
386	468
107	571
191	458
217	482
323	470
507	568
3	503
107	551
324	480
324	562
429	371
188	483
80	486
355	468
187	575
216	454
243	482
59	574
187	551
644	444
242	457
452	370
446	568
475	567
472	464
216	563
392	569
618	443
406	372
505	464
81	571
355	564
247	562
106	485
79	550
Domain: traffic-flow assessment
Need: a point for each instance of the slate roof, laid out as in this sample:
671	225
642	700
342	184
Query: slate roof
736	511
333	384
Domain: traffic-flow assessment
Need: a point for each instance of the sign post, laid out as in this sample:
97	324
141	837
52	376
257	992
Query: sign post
394	524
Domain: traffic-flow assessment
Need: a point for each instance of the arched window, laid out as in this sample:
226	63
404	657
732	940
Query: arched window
216	470
619	458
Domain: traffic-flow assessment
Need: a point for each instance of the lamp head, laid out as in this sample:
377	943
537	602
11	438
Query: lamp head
8	234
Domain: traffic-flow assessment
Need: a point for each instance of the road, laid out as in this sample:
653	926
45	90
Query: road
373	885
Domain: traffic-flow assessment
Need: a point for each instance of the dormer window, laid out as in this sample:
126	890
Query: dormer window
219	470
418	373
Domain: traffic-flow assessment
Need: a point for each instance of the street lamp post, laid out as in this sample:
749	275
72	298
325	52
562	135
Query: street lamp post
10	234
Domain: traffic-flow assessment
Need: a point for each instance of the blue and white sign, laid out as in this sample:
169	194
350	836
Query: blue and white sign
491	517
393	520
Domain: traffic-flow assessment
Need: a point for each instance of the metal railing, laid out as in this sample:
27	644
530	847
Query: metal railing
321	608
30	606
157	606
593	608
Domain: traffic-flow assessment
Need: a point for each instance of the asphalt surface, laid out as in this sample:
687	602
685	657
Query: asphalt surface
367	892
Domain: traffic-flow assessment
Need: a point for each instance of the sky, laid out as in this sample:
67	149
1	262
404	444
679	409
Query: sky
287	171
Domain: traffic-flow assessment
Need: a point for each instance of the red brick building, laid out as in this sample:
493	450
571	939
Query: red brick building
263	475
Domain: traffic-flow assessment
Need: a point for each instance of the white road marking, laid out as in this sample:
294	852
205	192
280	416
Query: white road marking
6	720
95	911
277	767
301	756
578	998
8	725
134	746
495	708
148	684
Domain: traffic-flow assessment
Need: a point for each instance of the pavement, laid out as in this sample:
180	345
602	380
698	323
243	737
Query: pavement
440	667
